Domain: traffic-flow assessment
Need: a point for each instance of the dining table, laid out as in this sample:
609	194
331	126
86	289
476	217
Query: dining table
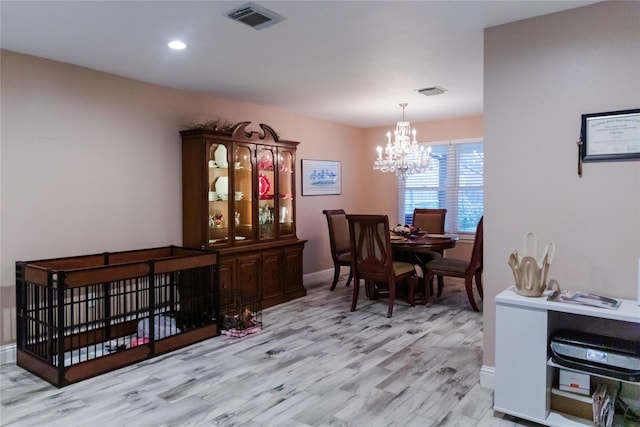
423	242
409	248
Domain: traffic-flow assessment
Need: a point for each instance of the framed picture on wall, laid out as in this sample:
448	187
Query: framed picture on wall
614	135
320	177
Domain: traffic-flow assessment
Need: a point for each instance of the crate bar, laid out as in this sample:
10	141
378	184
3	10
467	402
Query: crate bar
152	311
59	330
21	306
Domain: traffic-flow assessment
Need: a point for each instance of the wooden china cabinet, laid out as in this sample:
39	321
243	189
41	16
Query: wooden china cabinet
238	197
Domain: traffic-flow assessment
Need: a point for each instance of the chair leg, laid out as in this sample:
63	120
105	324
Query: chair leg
372	291
479	284
356	290
424	285
426	293
413	281
392	297
336	275
440	285
350	276
428	278
468	284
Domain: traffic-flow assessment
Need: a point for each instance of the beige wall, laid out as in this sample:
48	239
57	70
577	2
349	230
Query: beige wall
540	75
91	163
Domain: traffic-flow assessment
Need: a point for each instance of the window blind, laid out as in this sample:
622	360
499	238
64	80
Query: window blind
454	181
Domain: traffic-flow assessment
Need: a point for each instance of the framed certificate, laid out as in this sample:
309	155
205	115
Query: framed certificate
610	136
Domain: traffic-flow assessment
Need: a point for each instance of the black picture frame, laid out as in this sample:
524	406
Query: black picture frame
610	136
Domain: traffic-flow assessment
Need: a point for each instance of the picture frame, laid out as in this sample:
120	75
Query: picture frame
610	136
321	177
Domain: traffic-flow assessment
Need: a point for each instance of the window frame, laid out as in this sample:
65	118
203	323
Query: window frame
450	188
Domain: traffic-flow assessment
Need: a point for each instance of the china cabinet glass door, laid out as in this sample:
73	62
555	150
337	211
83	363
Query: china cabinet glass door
243	194
266	187
286	192
218	196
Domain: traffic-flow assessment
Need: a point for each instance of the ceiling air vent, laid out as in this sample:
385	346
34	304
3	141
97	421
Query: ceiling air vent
255	16
430	91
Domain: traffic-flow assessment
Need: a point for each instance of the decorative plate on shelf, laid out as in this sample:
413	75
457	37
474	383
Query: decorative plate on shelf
222	186
220	156
263	186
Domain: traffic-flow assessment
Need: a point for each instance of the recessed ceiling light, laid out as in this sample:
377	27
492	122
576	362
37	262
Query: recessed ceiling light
177	45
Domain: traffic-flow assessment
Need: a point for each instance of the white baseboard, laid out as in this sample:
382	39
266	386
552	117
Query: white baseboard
487	376
7	354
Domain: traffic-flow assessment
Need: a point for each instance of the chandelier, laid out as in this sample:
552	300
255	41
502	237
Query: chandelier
404	156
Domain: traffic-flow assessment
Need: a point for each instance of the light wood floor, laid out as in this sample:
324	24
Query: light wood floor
314	364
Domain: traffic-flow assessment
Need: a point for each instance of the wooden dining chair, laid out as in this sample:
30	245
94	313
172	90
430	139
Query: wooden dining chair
372	260
432	221
468	269
339	243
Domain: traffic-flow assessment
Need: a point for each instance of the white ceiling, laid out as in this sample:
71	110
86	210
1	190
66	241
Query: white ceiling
351	62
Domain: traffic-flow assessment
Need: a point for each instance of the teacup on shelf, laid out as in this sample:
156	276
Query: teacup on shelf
213	196
224	196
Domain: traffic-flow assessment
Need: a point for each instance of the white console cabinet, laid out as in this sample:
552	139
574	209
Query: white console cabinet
524	373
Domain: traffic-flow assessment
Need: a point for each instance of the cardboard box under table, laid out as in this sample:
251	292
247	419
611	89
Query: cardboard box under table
82	316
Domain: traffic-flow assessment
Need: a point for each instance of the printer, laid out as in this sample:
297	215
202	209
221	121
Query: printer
598	354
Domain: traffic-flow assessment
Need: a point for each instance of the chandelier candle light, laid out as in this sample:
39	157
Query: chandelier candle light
404	156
